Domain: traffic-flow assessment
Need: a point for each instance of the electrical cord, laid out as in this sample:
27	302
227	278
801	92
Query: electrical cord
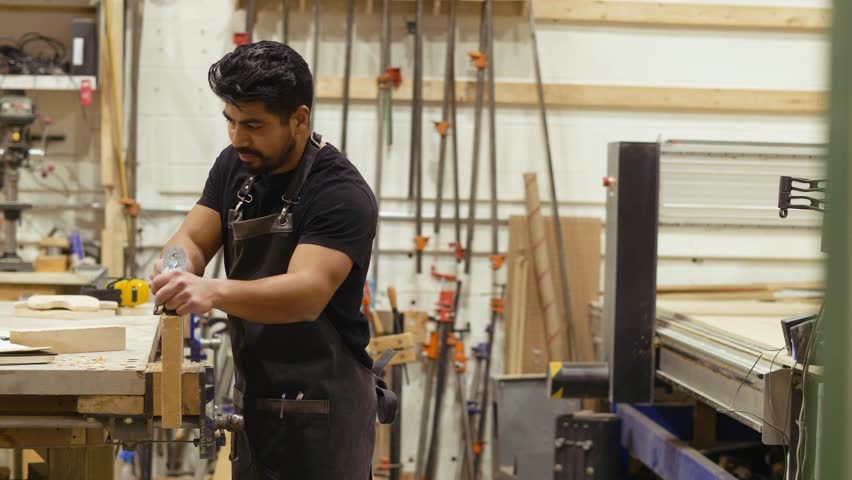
730	408
743	382
801	458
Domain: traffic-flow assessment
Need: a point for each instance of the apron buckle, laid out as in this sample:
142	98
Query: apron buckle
282	219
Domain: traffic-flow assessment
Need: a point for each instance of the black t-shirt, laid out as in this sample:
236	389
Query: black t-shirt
336	210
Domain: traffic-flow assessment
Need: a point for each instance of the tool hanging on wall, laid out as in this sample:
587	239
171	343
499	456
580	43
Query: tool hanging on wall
347	71
447	308
481	62
137	14
384	83
411	28
431	352
416	136
460	367
444	125
483	397
285	21
457	245
492	130
315	55
372	315
250	14
557	225
430	363
496	258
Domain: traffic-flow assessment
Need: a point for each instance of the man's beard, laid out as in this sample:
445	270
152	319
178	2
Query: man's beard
268	164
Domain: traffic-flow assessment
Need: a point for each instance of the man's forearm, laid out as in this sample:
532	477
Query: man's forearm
286	298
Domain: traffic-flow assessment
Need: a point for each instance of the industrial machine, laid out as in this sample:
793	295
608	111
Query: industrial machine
737	376
17	114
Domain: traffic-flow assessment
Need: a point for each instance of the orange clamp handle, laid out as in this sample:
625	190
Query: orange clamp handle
420	243
478	446
458	250
460	357
497	261
395	75
479	59
497	305
442	128
431	348
442	276
131	206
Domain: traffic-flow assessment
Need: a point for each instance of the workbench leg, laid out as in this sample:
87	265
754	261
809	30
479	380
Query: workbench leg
18	464
91	463
704	426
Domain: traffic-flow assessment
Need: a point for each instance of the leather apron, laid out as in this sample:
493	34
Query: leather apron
309	405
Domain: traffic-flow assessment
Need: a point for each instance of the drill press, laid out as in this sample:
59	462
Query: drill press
17	114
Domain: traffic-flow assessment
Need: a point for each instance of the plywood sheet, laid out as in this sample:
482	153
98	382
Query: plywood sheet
752	322
525	342
742	308
763	331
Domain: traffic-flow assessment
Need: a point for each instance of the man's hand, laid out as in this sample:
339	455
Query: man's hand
158	268
184	292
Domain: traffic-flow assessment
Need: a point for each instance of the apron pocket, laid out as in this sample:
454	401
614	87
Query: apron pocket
295	445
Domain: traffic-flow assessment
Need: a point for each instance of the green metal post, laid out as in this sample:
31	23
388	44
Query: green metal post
833	455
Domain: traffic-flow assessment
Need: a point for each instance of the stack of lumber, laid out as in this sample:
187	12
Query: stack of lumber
749	291
525	343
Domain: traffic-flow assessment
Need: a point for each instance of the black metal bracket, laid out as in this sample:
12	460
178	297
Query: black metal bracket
787	197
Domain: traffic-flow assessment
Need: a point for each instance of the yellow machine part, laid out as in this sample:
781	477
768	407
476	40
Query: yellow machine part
133	291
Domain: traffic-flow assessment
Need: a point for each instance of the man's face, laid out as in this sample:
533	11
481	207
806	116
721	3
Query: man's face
264	142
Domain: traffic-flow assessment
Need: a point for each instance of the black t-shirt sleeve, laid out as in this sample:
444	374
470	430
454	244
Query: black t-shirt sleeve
211	196
342	218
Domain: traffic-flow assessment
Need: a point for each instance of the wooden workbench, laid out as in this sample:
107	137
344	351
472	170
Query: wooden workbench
100	385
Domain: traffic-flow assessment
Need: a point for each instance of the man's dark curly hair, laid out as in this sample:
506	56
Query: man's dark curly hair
268	72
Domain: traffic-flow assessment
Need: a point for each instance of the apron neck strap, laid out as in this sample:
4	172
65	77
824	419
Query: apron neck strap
294	187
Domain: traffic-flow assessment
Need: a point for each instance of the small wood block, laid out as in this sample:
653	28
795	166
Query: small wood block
51	263
137	311
402	356
171	331
395	342
74	340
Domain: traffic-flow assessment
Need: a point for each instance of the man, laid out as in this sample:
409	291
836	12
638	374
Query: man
297	222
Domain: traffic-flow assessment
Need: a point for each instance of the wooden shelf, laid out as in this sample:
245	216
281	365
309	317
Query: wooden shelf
618	97
45	82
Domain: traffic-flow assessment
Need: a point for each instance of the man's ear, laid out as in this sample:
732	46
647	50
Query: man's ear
300	119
